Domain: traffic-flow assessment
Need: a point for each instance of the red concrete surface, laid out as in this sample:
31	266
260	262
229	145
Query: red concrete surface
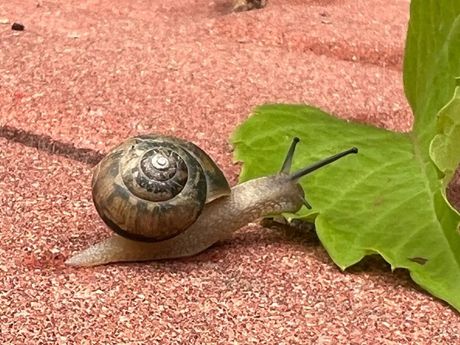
86	74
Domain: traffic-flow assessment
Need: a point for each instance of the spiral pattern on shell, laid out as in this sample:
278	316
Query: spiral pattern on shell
151	188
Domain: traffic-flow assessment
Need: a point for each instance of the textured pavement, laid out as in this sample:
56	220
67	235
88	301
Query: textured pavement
84	75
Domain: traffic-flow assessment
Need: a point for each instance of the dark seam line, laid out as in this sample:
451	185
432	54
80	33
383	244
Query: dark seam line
47	144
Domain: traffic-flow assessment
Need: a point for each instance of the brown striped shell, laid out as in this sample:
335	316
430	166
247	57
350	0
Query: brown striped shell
152	187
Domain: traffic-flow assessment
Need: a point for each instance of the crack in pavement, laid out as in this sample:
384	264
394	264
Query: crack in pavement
52	146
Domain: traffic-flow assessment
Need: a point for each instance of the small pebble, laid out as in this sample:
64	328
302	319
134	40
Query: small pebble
4	21
17	27
73	35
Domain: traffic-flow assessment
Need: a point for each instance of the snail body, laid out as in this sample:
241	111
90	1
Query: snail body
165	198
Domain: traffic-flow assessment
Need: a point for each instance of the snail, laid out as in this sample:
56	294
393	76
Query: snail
165	198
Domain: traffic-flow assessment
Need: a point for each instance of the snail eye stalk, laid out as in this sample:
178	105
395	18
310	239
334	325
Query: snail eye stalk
315	166
286	168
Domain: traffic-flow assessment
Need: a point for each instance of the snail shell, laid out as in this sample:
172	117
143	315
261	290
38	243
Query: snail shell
151	187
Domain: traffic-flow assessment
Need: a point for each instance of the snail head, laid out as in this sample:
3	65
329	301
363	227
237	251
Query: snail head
295	176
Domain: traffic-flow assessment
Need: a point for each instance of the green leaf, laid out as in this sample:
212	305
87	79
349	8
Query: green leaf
445	146
379	201
429	71
390	198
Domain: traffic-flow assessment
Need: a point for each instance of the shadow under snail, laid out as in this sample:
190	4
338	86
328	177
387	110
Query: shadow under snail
165	198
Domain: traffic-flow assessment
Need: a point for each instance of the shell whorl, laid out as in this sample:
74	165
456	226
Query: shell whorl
151	188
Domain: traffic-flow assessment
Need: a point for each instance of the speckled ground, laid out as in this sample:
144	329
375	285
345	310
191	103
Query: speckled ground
86	74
